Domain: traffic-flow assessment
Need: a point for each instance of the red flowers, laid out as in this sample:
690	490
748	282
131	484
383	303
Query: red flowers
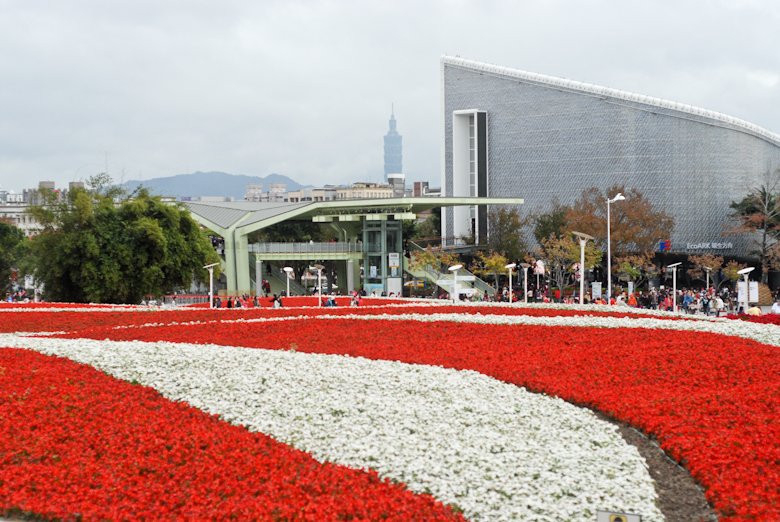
711	400
77	444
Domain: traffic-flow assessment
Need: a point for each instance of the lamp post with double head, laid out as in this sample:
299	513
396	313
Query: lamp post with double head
674	285
744	273
525	266
210	268
510	267
619	197
288	270
583	237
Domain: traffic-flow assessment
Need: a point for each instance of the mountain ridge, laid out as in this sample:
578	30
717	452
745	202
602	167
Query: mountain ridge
214	183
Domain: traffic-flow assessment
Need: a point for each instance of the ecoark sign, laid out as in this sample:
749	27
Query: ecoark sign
709	246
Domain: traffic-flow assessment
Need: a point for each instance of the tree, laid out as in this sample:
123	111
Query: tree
700	263
106	247
552	223
759	212
636	225
560	254
636	267
731	271
10	240
492	263
506	236
432	258
430	228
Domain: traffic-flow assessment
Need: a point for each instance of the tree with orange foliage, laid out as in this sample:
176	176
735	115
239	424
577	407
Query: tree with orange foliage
636	225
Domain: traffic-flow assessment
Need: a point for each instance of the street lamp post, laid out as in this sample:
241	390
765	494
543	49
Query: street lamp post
525	266
210	268
288	270
674	286
583	240
707	269
510	266
319	268
619	197
744	273
454	269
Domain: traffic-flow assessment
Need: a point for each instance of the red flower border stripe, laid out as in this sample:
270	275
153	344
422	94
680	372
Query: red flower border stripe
76	442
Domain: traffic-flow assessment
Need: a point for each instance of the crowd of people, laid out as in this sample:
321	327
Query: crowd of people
708	301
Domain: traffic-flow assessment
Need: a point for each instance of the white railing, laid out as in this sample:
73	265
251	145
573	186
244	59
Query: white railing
306	248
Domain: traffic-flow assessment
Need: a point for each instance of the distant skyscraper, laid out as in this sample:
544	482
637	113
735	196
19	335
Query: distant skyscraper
393	163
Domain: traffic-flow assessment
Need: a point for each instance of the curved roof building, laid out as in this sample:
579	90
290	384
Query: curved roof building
511	133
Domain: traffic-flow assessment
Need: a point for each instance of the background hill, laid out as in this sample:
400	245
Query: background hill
210	184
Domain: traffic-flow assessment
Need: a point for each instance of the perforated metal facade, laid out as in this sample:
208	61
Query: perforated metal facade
550	137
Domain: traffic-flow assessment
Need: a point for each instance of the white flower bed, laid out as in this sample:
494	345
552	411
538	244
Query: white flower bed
493	449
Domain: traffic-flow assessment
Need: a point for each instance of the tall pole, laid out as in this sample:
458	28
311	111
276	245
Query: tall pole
583	241
210	268
618	197
525	266
511	267
211	287
582	270
609	257
674	291
288	284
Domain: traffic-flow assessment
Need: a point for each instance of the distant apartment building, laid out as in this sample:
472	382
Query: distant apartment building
422	189
210	199
327	193
277	193
365	190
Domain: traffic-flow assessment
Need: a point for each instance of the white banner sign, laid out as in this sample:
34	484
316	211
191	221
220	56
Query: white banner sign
753	293
393	259
596	289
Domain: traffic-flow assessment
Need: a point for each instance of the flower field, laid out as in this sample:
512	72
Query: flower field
431	398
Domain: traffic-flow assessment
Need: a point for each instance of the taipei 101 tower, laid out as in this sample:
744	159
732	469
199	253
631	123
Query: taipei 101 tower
393	163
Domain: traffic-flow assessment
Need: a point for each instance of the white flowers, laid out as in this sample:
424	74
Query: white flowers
493	449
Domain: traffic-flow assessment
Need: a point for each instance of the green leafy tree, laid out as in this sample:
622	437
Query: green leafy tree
492	263
561	253
758	214
552	223
430	228
106	247
506	236
11	238
636	267
731	271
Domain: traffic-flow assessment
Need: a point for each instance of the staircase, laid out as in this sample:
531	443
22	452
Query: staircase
277	279
465	279
281	276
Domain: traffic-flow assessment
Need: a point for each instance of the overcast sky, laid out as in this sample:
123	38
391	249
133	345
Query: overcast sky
304	88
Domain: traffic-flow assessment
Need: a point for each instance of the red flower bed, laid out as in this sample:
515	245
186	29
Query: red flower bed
711	400
72	321
78	445
763	319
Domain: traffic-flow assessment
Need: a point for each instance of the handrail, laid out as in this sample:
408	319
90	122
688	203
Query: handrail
305	248
282	276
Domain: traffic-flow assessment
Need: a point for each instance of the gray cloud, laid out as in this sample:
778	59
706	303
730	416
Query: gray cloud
304	88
